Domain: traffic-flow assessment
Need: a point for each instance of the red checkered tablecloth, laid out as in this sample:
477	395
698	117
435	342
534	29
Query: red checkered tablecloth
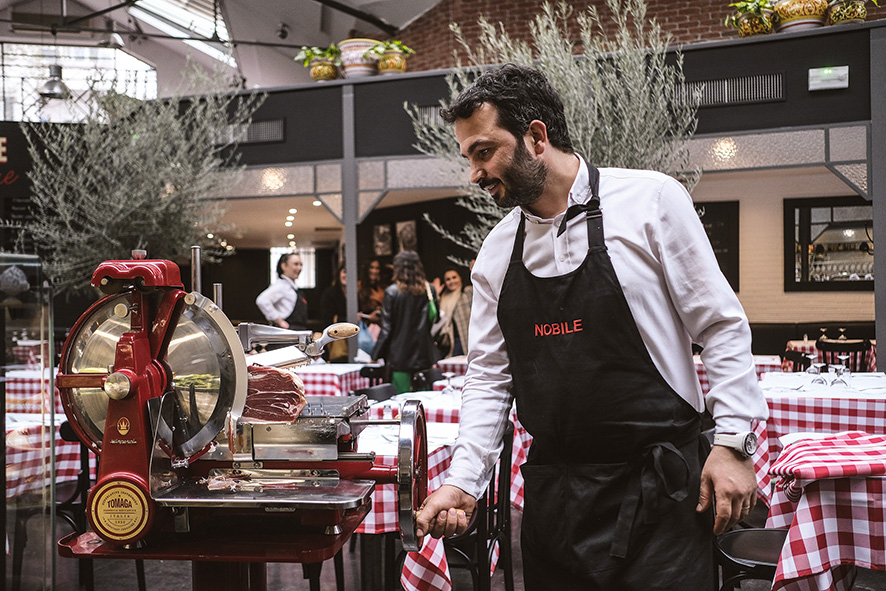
28	458
762	364
838	522
332	379
27	391
457	365
447	413
809	347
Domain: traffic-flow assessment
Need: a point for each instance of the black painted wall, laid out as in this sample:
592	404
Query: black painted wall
432	247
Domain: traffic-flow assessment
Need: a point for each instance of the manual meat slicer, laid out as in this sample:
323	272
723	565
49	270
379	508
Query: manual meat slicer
154	380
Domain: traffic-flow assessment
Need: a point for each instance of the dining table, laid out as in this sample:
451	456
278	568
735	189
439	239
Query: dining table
830	494
331	379
429	568
807	346
28	465
422	570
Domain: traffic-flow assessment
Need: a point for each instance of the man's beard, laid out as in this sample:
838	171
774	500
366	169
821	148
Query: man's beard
523	181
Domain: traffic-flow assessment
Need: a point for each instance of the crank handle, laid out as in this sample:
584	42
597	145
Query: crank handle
333	332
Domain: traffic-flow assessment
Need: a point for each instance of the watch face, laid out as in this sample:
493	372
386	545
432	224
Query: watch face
750	444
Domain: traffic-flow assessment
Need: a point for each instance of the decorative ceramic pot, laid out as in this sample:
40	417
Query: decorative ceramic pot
353	62
796	15
392	61
749	24
323	69
847	11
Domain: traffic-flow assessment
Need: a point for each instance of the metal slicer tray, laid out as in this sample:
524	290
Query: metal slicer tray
312	494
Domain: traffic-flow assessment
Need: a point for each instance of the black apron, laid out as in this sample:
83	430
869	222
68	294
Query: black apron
298	318
612	478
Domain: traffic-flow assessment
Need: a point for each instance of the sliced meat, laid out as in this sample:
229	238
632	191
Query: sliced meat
273	395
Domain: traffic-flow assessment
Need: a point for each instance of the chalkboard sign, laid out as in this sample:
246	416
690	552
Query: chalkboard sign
720	221
15	187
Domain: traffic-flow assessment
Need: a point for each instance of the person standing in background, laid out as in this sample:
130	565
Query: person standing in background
455	305
406	316
333	309
281	303
370	293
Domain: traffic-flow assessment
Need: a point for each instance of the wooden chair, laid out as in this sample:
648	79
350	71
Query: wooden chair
857	350
798	360
748	554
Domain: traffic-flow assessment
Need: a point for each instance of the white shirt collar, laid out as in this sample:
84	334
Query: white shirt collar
579	193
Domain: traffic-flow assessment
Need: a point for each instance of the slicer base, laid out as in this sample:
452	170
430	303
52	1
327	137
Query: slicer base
241	553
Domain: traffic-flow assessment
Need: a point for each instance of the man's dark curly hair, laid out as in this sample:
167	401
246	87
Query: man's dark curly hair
520	95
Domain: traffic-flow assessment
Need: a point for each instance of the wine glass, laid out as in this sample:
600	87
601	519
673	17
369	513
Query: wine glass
844	357
824	332
812	366
840	376
818	379
842	336
448	375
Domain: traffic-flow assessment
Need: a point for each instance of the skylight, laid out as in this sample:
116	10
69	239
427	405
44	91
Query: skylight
181	20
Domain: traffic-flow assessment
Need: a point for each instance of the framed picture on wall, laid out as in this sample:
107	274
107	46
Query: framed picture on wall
381	240
407	236
720	221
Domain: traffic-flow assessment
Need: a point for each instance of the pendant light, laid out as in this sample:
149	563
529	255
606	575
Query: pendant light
54	88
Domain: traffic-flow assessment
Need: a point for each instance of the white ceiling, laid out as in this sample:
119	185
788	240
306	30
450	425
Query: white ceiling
264	59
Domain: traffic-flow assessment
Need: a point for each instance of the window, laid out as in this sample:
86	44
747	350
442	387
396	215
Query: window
308	277
829	244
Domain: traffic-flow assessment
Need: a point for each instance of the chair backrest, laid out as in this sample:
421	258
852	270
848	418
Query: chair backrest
797	359
376	374
424	380
856	349
378	393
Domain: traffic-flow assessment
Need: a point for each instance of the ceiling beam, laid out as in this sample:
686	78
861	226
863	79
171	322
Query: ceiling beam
363	16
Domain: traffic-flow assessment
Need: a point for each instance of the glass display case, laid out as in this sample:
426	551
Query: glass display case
829	244
32	417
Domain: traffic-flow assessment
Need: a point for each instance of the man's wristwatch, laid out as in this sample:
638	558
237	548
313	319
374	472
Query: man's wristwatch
744	443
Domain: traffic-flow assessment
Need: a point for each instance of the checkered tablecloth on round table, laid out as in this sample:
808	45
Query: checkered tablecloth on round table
835	526
28	460
332	379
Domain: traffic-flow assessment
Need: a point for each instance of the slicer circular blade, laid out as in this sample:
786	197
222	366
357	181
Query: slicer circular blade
205	358
412	471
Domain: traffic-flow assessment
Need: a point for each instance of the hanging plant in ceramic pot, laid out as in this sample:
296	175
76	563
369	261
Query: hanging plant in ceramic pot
323	62
752	17
391	56
848	11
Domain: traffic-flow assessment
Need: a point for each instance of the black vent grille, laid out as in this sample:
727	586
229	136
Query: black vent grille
760	88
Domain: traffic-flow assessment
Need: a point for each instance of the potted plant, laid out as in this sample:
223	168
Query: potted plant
391	56
752	17
848	11
800	15
323	62
354	62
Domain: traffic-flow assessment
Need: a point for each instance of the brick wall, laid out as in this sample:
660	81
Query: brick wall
688	21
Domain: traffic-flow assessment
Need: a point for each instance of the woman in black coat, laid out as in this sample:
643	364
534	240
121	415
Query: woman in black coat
405	341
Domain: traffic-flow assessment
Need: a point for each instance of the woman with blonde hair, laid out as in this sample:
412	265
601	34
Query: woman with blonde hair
409	309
